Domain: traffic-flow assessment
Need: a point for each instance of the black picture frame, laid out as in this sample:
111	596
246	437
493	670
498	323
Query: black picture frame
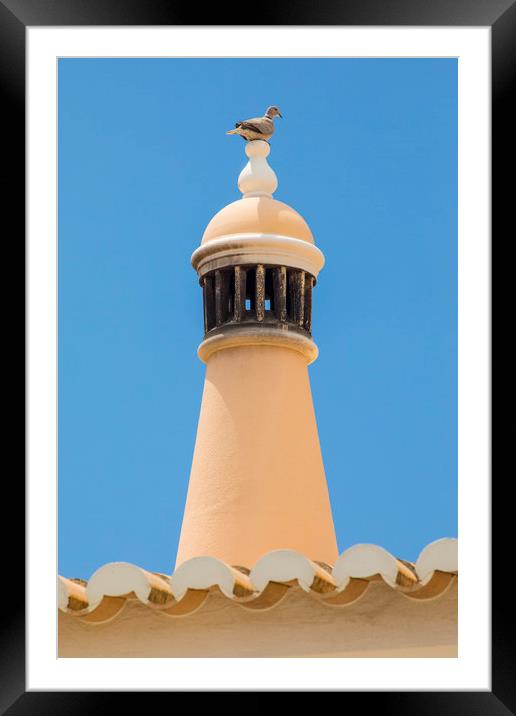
500	15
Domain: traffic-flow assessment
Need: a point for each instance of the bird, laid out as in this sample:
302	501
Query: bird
258	127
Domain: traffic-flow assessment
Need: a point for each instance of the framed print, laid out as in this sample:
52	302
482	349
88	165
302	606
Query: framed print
126	172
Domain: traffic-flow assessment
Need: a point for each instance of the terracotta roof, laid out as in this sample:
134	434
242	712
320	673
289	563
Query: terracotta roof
262	587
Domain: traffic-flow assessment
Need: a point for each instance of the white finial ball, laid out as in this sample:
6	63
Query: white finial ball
257	178
257	148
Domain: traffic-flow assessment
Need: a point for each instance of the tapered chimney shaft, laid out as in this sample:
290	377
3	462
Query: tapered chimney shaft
257	481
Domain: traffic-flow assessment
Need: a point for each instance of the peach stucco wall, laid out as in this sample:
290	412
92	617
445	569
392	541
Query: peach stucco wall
257	481
383	623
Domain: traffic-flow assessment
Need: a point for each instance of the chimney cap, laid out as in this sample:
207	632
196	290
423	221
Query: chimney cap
257	212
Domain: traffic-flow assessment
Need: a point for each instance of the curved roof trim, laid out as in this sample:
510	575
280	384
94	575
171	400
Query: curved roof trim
263	586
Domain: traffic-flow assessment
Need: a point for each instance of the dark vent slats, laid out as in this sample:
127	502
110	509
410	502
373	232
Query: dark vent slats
266	295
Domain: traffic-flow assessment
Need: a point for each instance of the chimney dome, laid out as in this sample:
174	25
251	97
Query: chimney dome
258	215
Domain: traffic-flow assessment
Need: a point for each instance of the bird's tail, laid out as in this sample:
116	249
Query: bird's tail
233	131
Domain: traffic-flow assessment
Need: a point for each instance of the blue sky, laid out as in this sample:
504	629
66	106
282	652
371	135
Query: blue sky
367	153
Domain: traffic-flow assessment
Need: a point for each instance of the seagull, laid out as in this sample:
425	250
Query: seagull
258	127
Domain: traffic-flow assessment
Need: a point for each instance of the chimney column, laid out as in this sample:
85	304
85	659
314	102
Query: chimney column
257	480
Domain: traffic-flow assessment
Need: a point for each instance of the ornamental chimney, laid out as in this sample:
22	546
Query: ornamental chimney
257	480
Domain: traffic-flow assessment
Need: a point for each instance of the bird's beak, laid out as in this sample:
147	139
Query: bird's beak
280	115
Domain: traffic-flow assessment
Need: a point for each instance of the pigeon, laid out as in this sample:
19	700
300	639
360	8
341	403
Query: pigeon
257	128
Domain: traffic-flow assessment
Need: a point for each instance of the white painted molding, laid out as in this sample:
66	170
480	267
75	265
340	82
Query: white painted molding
207	572
253	336
117	579
364	561
286	565
69	591
440	555
253	248
62	593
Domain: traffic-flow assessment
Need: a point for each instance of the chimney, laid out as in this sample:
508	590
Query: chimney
257	480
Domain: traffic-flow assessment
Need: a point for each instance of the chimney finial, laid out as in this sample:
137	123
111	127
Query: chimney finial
257	178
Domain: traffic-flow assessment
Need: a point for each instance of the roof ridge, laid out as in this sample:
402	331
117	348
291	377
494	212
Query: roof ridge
263	586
